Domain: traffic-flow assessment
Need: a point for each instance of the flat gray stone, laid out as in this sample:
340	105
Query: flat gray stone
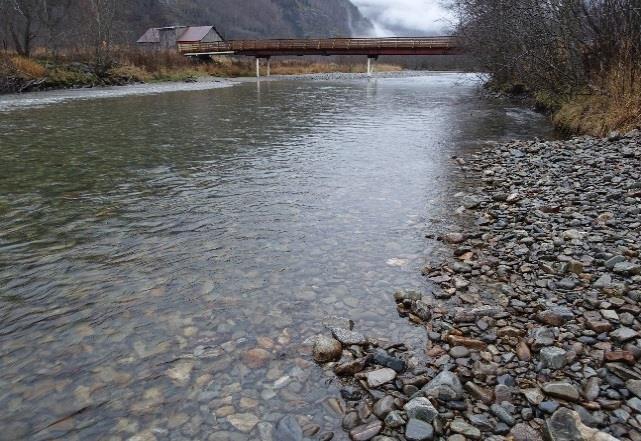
623	334
562	390
347	337
417	430
634	386
380	376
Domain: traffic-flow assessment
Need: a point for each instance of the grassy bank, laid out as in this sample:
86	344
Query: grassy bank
612	103
74	70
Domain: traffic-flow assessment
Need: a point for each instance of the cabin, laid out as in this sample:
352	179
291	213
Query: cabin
169	37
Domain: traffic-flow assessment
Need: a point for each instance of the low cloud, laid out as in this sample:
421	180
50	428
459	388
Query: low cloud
406	17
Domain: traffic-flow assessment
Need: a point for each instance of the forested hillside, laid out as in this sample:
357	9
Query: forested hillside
256	18
55	24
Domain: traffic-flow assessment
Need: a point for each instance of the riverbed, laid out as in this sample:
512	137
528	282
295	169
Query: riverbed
163	256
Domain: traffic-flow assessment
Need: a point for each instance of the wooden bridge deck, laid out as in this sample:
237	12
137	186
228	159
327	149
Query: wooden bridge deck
372	47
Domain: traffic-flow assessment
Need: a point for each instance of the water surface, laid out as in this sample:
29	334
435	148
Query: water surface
147	243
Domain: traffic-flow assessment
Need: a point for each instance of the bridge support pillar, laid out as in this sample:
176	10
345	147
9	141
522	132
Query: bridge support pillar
257	67
370	64
269	66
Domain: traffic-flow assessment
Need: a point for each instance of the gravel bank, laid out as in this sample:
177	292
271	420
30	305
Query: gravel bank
533	326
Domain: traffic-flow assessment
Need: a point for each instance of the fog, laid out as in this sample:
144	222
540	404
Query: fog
406	17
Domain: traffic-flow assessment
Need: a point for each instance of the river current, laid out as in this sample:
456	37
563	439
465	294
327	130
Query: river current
150	242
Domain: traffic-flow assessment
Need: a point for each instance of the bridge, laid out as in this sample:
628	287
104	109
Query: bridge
370	47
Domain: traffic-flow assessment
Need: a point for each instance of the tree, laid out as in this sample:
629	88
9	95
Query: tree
101	19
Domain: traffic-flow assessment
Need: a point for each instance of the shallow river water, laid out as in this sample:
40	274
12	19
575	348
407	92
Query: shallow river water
148	242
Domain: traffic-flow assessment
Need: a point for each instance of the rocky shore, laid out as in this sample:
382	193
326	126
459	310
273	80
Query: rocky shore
532	326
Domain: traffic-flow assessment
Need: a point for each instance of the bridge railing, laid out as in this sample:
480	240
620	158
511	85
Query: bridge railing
328	44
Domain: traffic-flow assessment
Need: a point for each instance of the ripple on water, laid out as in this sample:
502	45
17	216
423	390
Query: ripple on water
163	257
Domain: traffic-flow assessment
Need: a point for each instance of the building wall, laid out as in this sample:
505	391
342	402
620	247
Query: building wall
211	37
168	37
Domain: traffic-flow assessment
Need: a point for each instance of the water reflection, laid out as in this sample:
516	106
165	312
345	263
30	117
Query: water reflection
162	257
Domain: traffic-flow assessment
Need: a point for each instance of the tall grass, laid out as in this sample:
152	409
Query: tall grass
613	104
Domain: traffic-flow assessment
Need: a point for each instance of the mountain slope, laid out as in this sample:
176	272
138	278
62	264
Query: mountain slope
252	18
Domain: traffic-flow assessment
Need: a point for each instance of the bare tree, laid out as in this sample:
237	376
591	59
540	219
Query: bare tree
101	19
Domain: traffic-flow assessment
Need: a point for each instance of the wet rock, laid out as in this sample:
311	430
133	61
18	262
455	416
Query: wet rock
553	357
334	321
400	296
256	358
562	390
350	420
351	368
384	359
454	238
347	337
288	429
417	430
326	349
566	425
244	422
380	376
421	409
366	431
384	406
445	386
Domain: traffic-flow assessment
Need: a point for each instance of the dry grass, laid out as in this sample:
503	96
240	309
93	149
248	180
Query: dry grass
172	66
615	106
26	67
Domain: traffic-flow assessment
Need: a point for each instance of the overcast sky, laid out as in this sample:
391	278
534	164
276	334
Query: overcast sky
406	17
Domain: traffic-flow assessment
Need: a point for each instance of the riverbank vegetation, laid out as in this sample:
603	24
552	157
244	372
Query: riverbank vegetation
43	71
579	59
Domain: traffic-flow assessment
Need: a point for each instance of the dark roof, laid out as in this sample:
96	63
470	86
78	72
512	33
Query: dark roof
151	36
191	34
195	33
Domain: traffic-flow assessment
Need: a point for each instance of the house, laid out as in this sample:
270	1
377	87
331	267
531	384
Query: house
169	37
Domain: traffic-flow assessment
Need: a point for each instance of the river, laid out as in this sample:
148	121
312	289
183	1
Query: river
149	242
